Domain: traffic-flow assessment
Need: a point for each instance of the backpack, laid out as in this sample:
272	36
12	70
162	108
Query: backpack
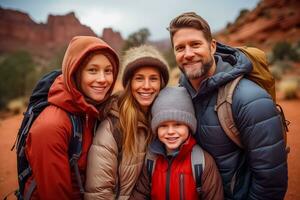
261	75
198	165
37	103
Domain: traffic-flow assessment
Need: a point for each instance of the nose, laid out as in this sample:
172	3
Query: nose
170	130
188	53
101	77
147	83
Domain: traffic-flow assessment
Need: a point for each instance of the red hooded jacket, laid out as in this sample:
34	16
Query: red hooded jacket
48	139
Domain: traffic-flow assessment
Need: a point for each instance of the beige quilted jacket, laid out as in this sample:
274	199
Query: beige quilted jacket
102	164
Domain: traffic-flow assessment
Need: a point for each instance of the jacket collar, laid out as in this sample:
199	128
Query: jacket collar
157	147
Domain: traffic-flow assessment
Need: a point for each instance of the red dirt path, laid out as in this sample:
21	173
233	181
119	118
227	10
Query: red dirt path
9	127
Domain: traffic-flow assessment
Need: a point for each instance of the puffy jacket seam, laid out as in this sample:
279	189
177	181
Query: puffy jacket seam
266	146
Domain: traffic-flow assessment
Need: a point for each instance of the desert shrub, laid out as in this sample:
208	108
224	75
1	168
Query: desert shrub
276	72
16	106
285	51
289	88
284	66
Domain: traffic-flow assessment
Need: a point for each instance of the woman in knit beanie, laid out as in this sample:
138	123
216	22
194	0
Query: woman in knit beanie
176	167
117	155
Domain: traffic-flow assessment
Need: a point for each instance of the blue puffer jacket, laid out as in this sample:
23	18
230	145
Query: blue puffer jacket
260	170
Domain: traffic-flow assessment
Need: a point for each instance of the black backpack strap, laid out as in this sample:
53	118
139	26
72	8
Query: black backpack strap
285	124
150	162
31	188
75	147
198	164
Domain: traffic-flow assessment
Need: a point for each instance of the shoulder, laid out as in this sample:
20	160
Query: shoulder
52	122
248	91
104	134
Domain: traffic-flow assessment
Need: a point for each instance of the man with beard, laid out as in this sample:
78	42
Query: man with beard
259	170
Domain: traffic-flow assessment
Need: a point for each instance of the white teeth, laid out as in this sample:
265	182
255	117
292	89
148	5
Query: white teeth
172	139
145	94
100	89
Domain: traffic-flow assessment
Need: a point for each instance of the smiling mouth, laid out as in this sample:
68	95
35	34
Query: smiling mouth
99	89
172	139
191	64
145	95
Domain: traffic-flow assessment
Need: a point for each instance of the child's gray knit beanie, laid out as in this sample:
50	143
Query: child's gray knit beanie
173	104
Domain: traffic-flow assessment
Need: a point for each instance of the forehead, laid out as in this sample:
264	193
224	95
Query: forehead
99	58
184	35
146	70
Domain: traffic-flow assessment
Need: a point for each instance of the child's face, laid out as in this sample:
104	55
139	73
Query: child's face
172	134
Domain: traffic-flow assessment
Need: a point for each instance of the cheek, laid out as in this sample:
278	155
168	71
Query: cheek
110	79
159	133
85	79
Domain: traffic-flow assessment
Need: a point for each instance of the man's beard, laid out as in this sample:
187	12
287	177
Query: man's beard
202	72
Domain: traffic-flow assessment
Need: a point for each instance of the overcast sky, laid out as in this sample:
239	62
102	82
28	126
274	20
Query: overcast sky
128	16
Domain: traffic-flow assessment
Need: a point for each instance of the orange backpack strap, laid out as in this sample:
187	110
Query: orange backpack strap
224	111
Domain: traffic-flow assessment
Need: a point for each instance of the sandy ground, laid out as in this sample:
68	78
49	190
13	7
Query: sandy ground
9	128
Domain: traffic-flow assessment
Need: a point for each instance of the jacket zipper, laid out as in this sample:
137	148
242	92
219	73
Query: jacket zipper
168	179
181	186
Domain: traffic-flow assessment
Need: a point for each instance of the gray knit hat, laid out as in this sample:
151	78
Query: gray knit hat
144	55
173	103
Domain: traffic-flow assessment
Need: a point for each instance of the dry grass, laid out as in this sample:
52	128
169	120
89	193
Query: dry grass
289	88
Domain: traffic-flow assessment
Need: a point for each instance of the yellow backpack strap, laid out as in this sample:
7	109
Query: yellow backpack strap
224	111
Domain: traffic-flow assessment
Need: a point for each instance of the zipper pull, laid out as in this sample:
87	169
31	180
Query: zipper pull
86	120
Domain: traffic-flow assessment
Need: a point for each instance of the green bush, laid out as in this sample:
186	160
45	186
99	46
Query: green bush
17	75
285	51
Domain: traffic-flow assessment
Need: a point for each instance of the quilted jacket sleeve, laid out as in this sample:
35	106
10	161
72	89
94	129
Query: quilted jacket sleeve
261	132
102	165
212	188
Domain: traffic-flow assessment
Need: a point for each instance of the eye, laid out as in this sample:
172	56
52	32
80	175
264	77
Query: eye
179	48
162	126
154	78
138	78
92	69
196	44
108	70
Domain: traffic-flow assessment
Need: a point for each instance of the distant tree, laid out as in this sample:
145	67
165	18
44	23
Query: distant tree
137	38
56	61
242	13
170	57
16	75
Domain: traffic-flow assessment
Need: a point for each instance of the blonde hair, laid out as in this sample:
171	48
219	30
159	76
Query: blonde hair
130	114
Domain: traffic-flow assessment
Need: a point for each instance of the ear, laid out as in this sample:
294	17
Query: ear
213	46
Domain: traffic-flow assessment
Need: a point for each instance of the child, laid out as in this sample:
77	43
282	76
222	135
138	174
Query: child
172	174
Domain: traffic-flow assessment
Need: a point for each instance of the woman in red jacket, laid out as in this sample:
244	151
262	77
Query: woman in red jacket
89	71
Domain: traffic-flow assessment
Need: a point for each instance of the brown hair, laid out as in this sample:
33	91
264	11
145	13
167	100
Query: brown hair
189	20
